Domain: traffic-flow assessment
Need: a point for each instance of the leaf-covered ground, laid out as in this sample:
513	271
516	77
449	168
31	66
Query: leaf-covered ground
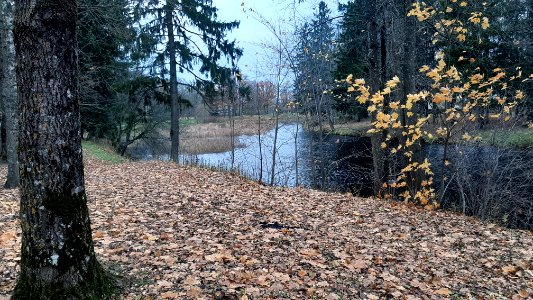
172	232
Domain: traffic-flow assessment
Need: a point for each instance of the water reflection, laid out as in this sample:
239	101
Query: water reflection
336	163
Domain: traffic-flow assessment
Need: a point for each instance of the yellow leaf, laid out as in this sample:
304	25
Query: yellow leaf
349	78
424	68
485	23
377	98
393	82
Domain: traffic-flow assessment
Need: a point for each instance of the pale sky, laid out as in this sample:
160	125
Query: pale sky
252	35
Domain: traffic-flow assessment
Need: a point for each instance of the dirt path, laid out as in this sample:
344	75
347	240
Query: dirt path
174	232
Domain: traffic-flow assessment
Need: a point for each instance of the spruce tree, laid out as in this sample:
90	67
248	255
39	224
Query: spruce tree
193	37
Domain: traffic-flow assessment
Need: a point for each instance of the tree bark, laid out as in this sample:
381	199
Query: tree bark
174	104
409	87
3	63
57	255
375	69
8	87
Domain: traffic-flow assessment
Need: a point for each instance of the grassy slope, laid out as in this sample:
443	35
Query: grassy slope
96	151
518	137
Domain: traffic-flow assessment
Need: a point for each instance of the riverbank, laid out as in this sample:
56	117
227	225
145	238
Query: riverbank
517	137
174	232
216	136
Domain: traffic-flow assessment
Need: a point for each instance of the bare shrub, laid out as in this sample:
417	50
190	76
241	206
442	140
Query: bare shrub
492	183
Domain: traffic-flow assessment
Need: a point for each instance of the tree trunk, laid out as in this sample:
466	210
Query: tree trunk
8	87
409	87
57	255
3	63
375	69
174	105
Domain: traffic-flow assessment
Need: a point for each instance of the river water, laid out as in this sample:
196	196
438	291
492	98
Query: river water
342	163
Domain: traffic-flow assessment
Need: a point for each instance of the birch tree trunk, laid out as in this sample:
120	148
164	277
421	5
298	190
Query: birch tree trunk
57	255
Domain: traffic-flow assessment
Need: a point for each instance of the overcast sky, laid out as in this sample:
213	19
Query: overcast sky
252	35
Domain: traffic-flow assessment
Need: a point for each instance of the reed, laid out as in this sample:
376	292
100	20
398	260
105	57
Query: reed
215	137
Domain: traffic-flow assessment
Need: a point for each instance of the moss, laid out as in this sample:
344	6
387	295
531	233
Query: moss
98	284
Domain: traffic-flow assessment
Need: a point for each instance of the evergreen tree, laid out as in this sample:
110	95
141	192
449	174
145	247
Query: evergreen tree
104	38
192	36
351	56
315	65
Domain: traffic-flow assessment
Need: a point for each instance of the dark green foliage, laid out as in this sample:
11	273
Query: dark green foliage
351	57
119	103
194	21
104	37
352	42
314	61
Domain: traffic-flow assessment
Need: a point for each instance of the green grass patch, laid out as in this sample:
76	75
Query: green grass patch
517	137
101	153
187	121
342	131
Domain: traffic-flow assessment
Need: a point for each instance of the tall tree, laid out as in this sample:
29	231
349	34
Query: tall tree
315	64
192	35
8	90
351	56
57	256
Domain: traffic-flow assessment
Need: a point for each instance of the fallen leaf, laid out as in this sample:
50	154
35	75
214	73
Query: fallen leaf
443	292
524	294
169	295
509	270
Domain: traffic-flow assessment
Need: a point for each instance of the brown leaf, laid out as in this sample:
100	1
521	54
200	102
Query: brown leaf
170	295
262	280
524	294
509	270
443	292
98	234
309	252
191	280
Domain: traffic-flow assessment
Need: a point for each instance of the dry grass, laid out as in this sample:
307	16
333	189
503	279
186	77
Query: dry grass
216	137
351	128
